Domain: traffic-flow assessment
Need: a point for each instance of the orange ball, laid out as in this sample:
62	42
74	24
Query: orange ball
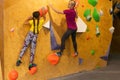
13	75
53	59
33	70
43	11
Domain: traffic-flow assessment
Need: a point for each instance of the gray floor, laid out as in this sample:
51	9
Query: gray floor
111	72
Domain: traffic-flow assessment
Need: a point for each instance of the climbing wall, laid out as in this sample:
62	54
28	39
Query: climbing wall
1	38
93	44
1	26
0	71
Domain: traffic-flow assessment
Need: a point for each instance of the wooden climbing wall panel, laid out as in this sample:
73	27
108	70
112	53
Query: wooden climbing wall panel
90	47
1	39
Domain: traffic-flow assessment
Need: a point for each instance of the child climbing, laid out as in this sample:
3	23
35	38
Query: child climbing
71	26
36	23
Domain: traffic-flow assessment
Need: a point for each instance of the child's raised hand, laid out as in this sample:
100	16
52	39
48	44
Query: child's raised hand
48	7
50	4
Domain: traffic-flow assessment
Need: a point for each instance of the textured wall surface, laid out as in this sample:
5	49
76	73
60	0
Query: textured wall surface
1	25
1	38
0	71
16	12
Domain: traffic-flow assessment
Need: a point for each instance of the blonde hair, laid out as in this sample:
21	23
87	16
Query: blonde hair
73	2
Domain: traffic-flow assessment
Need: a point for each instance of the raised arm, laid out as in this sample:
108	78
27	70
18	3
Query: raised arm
76	12
59	12
27	20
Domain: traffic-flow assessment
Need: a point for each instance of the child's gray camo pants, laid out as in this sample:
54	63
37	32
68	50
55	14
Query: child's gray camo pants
31	39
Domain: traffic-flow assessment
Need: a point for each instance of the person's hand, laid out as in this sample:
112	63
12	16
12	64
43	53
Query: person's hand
30	18
44	17
48	7
50	4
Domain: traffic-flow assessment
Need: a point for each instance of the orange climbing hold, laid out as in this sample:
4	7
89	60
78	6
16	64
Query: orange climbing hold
43	11
53	59
13	75
33	70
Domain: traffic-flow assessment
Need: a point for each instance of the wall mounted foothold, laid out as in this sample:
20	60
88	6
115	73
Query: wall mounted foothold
96	15
93	2
97	31
93	52
87	14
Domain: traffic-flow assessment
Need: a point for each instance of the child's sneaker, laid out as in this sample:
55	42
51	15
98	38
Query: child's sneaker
32	65
18	62
58	54
75	54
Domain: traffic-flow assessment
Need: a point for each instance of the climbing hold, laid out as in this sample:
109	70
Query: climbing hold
47	25
104	58
33	70
101	13
97	31
87	14
80	60
43	11
12	29
97	67
96	15
112	29
13	75
53	59
93	2
88	37
82	5
87	30
81	25
75	54
111	11
92	52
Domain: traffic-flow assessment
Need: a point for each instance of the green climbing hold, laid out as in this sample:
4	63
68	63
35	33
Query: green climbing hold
87	14
97	67
92	52
96	15
93	2
87	30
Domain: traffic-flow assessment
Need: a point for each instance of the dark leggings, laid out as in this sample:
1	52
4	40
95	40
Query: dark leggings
65	36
